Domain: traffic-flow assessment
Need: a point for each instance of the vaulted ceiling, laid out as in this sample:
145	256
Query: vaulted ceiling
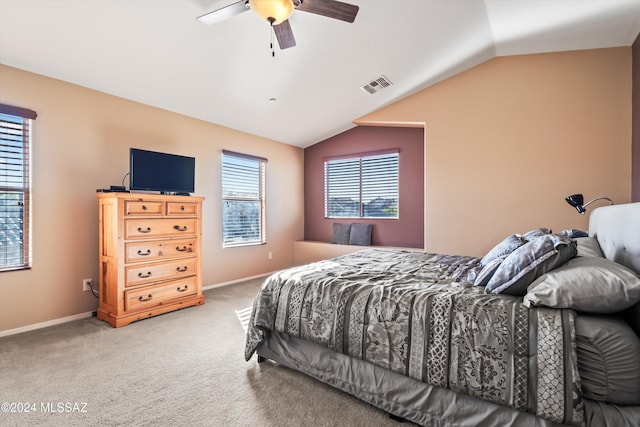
158	53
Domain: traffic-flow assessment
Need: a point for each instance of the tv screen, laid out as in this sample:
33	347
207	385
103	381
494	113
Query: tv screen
164	172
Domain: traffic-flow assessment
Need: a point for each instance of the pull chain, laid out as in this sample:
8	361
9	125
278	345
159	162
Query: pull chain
273	52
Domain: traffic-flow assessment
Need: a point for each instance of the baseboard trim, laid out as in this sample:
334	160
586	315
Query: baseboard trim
46	324
233	282
88	314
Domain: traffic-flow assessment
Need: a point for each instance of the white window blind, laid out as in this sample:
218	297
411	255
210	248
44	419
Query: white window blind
243	199
15	187
365	186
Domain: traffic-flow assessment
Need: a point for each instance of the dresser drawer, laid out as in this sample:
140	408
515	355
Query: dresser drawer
140	207
161	227
153	296
145	273
182	208
159	249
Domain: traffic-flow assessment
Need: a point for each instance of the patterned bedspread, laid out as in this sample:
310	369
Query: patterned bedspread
416	313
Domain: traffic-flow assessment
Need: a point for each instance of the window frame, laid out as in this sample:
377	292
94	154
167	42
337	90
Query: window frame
360	158
259	198
24	187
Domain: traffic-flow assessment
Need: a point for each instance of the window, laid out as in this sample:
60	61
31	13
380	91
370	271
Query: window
365	186
243	199
15	187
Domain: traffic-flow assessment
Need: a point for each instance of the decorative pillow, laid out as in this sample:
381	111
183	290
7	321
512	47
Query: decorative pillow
508	245
488	270
573	233
536	232
587	284
341	233
608	362
360	234
589	246
530	261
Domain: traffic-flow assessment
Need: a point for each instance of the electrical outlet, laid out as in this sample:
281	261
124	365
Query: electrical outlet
270	255
87	284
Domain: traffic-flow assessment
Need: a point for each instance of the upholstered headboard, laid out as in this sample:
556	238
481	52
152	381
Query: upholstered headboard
617	229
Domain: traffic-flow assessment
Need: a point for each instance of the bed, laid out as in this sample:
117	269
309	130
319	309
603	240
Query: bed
544	330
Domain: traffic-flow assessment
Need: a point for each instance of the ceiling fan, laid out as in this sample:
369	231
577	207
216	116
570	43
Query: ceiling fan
277	13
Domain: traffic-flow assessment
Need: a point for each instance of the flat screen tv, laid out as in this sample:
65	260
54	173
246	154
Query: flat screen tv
163	172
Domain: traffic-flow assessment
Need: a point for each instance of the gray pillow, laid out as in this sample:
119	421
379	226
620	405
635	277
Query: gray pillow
587	284
360	234
589	246
530	261
341	233
573	233
608	362
536	232
508	245
488	270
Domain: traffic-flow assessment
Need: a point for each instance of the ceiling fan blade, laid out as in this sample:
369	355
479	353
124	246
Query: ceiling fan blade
284	34
224	13
331	9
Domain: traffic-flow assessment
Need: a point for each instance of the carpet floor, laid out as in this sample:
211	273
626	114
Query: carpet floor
184	368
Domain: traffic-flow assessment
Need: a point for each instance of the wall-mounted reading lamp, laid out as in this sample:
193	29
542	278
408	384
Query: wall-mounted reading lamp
577	201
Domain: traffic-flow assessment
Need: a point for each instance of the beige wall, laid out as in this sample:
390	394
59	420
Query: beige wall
507	140
81	142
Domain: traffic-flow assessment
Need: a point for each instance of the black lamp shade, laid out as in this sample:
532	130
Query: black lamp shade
577	201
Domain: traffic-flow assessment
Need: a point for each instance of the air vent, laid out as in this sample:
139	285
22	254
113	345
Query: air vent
377	85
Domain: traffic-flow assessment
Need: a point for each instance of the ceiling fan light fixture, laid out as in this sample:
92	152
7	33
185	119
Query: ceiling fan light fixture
276	10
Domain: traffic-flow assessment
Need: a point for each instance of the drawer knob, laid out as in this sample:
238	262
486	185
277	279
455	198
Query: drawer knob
181	270
148	252
182	249
143	299
177	227
142	230
144	207
144	276
182	207
179	289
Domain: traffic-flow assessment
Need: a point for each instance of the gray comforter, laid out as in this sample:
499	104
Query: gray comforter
417	314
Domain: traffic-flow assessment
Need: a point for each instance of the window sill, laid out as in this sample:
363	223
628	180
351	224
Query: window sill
306	251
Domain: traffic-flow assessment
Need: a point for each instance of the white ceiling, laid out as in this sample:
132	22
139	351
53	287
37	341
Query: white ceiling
157	53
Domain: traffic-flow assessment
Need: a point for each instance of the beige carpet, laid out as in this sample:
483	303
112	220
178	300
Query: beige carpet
184	368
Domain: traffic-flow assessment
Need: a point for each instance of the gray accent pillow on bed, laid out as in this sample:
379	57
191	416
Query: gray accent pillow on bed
589	246
608	359
529	261
508	245
360	234
341	233
488	271
587	284
536	232
574	233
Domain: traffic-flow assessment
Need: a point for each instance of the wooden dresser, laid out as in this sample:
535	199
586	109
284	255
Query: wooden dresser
150	255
